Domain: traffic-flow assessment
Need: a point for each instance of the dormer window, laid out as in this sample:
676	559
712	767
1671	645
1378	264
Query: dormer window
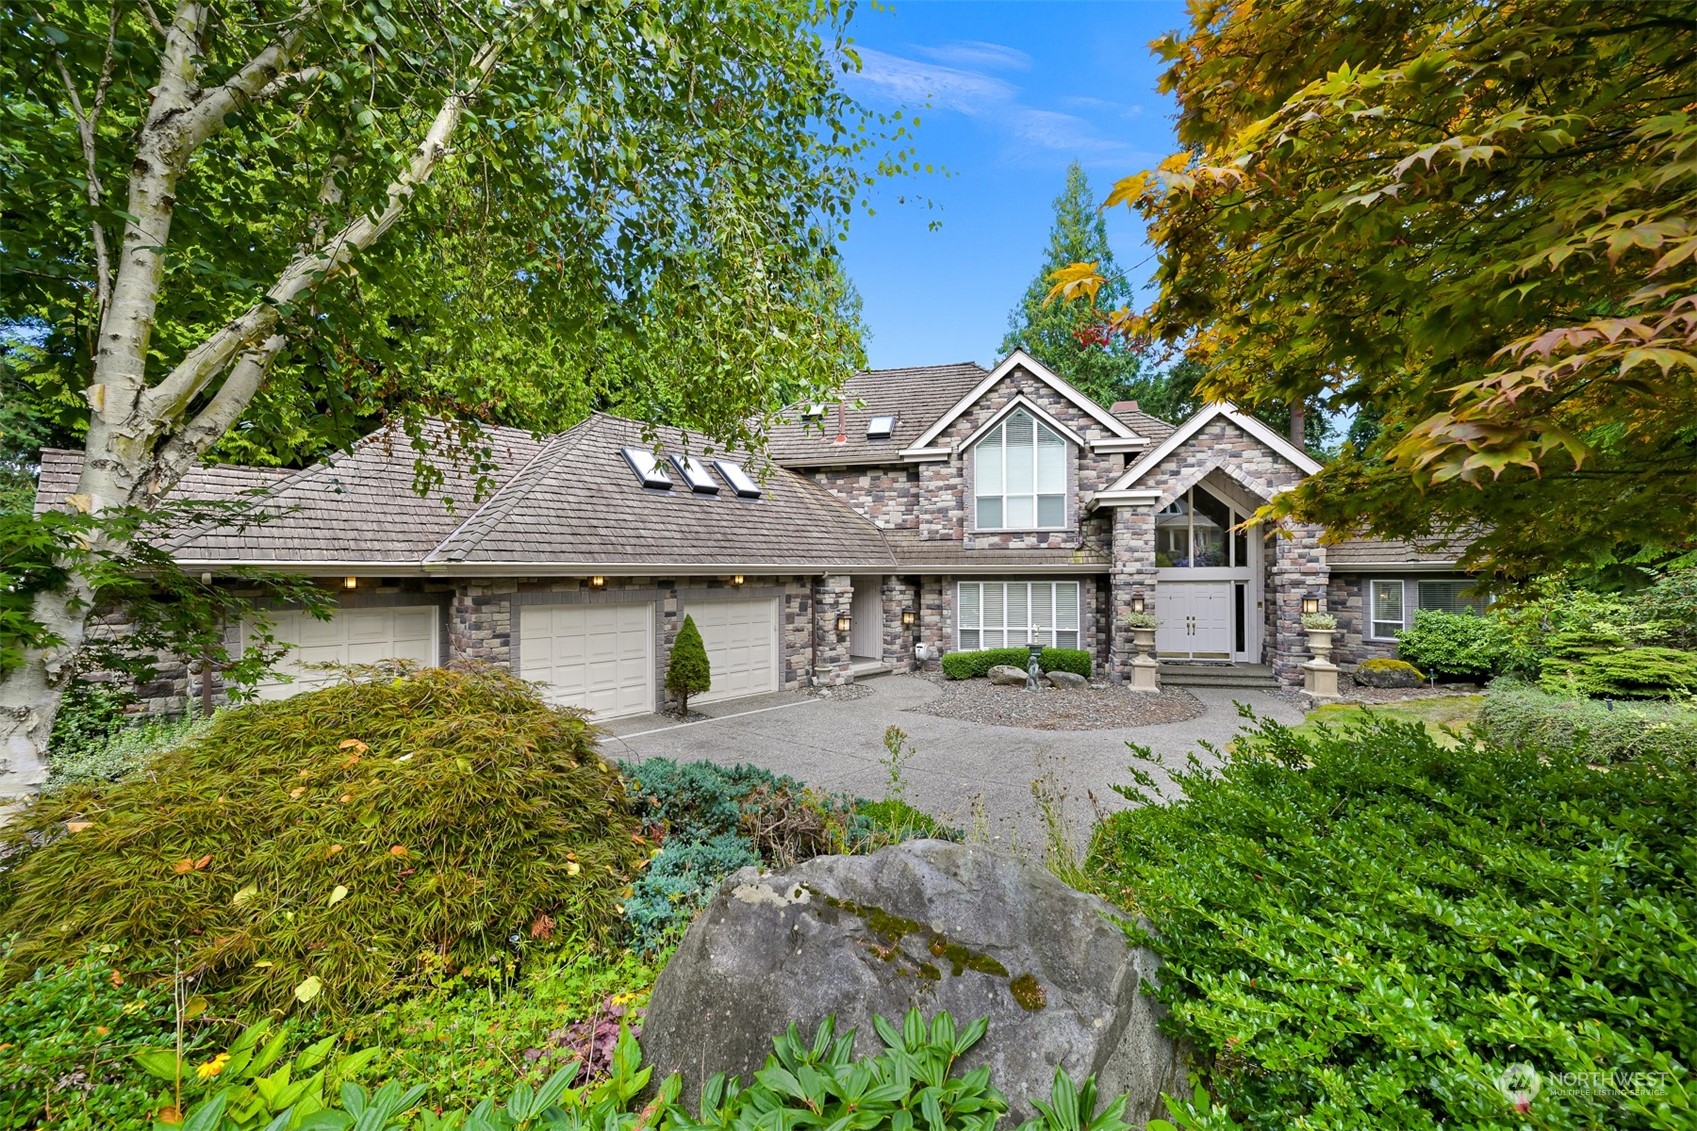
1019	476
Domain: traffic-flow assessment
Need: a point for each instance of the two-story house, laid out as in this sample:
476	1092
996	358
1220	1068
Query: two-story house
932	509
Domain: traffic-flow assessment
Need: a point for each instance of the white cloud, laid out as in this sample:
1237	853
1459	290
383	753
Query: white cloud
947	88
976	53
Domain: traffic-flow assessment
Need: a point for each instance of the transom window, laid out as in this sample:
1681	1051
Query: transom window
1195	531
1019	475
1000	614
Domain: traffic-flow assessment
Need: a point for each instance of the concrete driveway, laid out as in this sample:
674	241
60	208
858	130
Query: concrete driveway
974	776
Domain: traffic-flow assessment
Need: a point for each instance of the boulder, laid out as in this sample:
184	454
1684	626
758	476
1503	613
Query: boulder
1006	675
1388	673
1069	680
925	923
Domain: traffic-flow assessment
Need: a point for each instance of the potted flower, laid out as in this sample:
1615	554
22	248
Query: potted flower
1142	627
1320	627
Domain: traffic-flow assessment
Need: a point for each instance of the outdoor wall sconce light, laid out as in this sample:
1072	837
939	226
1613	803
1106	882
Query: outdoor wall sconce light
1310	605
597	581
350	583
1137	604
737	580
842	622
907	618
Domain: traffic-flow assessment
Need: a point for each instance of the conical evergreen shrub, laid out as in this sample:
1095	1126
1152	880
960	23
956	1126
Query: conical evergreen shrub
688	672
339	847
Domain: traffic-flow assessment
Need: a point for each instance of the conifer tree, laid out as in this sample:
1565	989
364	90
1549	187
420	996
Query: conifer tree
688	672
1068	337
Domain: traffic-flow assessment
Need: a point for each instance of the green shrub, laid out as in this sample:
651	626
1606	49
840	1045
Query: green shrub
900	821
1637	673
1555	617
319	848
1456	644
127	750
966	665
1523	717
67	1035
1362	928
1672	602
688	672
913	1082
90	714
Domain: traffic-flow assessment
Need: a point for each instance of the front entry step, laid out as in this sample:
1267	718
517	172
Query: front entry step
1259	676
865	667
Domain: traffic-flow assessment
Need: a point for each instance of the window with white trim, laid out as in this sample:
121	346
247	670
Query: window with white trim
1449	595
1000	614
1385	609
1019	476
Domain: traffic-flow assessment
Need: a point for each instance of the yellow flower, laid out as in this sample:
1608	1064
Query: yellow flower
212	1067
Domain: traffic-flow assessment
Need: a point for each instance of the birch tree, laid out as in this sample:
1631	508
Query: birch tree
192	194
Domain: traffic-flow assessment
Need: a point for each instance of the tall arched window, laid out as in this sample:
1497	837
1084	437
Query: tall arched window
1019	475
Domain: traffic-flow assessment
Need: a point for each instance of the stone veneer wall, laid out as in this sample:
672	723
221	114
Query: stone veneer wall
832	595
889	496
900	593
1297	560
1346	599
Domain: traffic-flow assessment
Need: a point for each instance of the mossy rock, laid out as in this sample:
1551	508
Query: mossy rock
341	847
1388	673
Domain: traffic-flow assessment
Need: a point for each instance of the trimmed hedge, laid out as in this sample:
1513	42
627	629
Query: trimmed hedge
966	665
1456	644
1522	717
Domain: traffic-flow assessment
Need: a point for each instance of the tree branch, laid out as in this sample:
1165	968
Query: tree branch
260	77
88	124
185	447
173	395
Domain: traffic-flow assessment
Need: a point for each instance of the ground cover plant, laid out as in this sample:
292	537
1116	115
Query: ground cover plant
1364	928
1526	717
1449	717
966	665
334	849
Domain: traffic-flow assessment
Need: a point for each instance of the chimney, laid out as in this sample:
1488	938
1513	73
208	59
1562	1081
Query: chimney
1124	406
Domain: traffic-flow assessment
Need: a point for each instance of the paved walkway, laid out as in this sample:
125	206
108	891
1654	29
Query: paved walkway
967	773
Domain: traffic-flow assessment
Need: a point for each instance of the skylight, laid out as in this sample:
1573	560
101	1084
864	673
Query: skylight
880	427
738	479
695	474
813	412
648	469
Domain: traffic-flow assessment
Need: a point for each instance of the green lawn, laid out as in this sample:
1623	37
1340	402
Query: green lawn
1453	711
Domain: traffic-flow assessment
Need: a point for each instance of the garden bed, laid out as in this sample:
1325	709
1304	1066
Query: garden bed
1096	707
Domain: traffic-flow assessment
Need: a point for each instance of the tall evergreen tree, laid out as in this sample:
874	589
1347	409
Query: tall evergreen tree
1068	337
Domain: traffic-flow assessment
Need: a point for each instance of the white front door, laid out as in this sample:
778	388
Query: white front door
866	629
1196	620
352	636
600	657
742	646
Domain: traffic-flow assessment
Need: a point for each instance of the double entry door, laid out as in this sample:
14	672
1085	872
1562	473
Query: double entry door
1197	620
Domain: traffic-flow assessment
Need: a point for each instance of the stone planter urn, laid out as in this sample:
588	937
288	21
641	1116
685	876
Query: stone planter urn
1143	639
1320	642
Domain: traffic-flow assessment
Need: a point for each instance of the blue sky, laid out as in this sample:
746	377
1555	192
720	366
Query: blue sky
1017	91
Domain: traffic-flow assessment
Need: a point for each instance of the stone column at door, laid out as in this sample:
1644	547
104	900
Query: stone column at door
1132	575
1299	570
833	597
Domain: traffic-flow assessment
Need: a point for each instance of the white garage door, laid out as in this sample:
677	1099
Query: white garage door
742	645
352	636
595	656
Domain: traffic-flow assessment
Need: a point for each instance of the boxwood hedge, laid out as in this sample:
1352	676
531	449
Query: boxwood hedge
966	665
1524	717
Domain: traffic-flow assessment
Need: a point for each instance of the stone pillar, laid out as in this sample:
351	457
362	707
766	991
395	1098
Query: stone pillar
1299	570
480	623
832	595
899	593
1132	574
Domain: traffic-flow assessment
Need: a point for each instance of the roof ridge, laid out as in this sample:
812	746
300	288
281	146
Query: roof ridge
518	488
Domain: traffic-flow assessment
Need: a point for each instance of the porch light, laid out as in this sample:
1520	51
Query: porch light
1310	605
597	581
1137	604
842	622
737	580
907	618
350	583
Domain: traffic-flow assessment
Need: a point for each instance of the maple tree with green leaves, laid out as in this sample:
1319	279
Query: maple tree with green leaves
1477	223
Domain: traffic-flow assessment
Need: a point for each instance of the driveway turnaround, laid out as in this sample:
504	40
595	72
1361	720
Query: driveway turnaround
978	778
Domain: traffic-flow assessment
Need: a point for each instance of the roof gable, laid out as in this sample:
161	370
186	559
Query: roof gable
1014	362
1262	434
